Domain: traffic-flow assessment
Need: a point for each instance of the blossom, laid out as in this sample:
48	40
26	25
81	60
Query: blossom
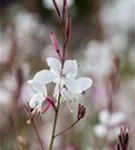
109	122
64	76
38	95
102	52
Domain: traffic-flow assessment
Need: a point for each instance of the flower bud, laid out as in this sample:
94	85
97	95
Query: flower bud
123	139
81	111
67	27
55	44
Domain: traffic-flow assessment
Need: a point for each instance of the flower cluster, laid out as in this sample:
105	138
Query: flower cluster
65	81
109	122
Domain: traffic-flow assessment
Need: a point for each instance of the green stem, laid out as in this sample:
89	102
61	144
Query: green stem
55	123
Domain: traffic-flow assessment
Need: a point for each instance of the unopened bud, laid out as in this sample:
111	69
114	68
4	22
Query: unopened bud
81	111
123	139
67	27
55	44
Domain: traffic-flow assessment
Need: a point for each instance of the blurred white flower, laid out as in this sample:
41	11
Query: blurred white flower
38	94
49	4
65	79
122	12
8	86
98	59
111	119
100	130
118	41
29	25
9	82
118	30
5	48
6	96
109	124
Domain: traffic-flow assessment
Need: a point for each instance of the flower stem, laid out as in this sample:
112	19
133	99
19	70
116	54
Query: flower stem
38	136
72	125
55	123
34	126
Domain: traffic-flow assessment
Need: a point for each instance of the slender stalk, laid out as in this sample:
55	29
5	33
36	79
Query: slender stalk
55	123
34	126
38	136
67	128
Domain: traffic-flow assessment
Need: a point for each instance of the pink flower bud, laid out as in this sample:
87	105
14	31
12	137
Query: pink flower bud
55	43
67	27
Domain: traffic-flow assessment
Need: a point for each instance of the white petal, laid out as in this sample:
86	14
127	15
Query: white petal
38	88
73	86
35	100
44	77
104	116
54	64
84	83
70	69
30	93
117	118
57	80
113	133
100	130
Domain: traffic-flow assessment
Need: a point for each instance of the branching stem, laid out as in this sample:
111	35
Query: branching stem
72	125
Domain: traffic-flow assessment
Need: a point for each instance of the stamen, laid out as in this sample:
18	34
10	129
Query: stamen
69	106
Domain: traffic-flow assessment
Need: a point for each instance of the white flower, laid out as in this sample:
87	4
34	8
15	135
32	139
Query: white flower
103	131
100	130
111	119
38	94
109	124
65	79
100	51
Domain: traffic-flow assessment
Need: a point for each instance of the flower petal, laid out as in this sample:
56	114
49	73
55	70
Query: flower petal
36	100
78	86
70	69
104	116
44	77
38	88
55	65
73	86
117	118
84	83
100	130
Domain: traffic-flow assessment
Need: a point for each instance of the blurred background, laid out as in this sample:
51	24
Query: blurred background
102	40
